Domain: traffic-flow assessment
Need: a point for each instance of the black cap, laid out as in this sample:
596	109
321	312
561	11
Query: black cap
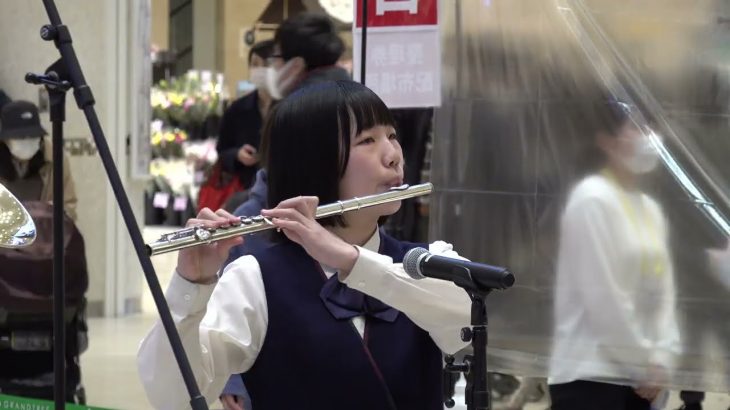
19	119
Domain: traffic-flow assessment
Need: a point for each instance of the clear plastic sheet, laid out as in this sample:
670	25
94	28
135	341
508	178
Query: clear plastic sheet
521	81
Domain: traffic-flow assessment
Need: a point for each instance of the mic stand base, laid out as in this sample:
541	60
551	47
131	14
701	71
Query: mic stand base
474	366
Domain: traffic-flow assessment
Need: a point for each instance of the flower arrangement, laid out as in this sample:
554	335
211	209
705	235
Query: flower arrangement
167	142
188	101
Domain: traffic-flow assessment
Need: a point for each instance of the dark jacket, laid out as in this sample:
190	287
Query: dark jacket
241	124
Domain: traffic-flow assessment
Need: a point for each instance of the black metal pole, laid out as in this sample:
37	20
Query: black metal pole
60	34
57	96
364	41
57	101
480	399
460	69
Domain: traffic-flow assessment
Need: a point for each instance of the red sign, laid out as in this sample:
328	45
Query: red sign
389	13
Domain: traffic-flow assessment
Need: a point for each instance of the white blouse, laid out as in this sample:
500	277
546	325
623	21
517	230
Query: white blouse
615	295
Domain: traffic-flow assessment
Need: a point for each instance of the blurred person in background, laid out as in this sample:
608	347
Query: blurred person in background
307	48
26	167
240	132
615	327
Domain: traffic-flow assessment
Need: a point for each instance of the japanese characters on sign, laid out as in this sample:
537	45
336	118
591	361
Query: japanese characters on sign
403	64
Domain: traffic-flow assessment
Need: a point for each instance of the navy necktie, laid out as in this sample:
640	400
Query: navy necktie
346	303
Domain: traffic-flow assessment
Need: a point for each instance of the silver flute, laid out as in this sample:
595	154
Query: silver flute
194	236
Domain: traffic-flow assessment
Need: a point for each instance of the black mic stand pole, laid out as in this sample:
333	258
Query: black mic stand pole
474	366
61	36
57	98
363	40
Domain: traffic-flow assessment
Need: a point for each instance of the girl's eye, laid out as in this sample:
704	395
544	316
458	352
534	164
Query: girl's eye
393	136
368	140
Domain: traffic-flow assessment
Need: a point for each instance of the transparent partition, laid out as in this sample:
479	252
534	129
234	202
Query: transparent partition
585	144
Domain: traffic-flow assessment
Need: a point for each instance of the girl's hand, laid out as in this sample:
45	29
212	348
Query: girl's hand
295	217
200	264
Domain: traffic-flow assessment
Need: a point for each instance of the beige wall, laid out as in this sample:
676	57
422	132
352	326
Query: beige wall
205	35
218	28
237	17
161	23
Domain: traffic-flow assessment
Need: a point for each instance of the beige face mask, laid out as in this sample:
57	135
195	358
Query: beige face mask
24	148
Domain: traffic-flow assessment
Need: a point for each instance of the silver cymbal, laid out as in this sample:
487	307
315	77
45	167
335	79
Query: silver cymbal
16	226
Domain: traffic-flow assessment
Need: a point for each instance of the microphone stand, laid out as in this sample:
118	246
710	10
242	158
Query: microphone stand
473	366
57	97
70	73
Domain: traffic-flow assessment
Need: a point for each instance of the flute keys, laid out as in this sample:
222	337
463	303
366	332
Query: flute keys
181	234
203	234
258	219
246	220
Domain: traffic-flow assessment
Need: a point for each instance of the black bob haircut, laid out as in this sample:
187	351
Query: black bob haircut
311	36
605	115
307	143
610	116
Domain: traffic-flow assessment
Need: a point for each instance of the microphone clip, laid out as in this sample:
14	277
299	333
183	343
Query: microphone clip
51	80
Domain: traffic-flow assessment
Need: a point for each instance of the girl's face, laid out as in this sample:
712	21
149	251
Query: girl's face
375	166
624	142
631	150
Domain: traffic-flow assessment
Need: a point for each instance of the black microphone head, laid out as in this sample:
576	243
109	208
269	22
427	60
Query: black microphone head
412	260
508	280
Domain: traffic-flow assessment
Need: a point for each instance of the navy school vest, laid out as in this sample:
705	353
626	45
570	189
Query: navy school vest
310	360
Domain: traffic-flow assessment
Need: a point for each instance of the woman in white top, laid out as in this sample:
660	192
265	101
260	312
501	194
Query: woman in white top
271	317
615	324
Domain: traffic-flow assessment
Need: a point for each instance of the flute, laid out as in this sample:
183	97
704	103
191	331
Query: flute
194	236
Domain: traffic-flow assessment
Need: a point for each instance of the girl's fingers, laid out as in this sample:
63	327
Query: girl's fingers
285	213
306	204
230	218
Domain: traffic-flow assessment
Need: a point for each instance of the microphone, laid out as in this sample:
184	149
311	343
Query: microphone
420	263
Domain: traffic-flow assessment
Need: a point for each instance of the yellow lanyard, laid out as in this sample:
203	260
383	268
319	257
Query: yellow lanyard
652	232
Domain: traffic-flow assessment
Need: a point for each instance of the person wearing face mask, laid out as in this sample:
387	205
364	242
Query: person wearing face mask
26	167
306	51
240	131
615	326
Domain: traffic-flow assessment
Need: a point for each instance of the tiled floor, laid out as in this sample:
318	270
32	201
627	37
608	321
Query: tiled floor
110	371
109	366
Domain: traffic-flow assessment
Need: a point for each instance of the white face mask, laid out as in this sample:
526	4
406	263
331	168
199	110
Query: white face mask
258	78
271	82
644	156
24	148
280	82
